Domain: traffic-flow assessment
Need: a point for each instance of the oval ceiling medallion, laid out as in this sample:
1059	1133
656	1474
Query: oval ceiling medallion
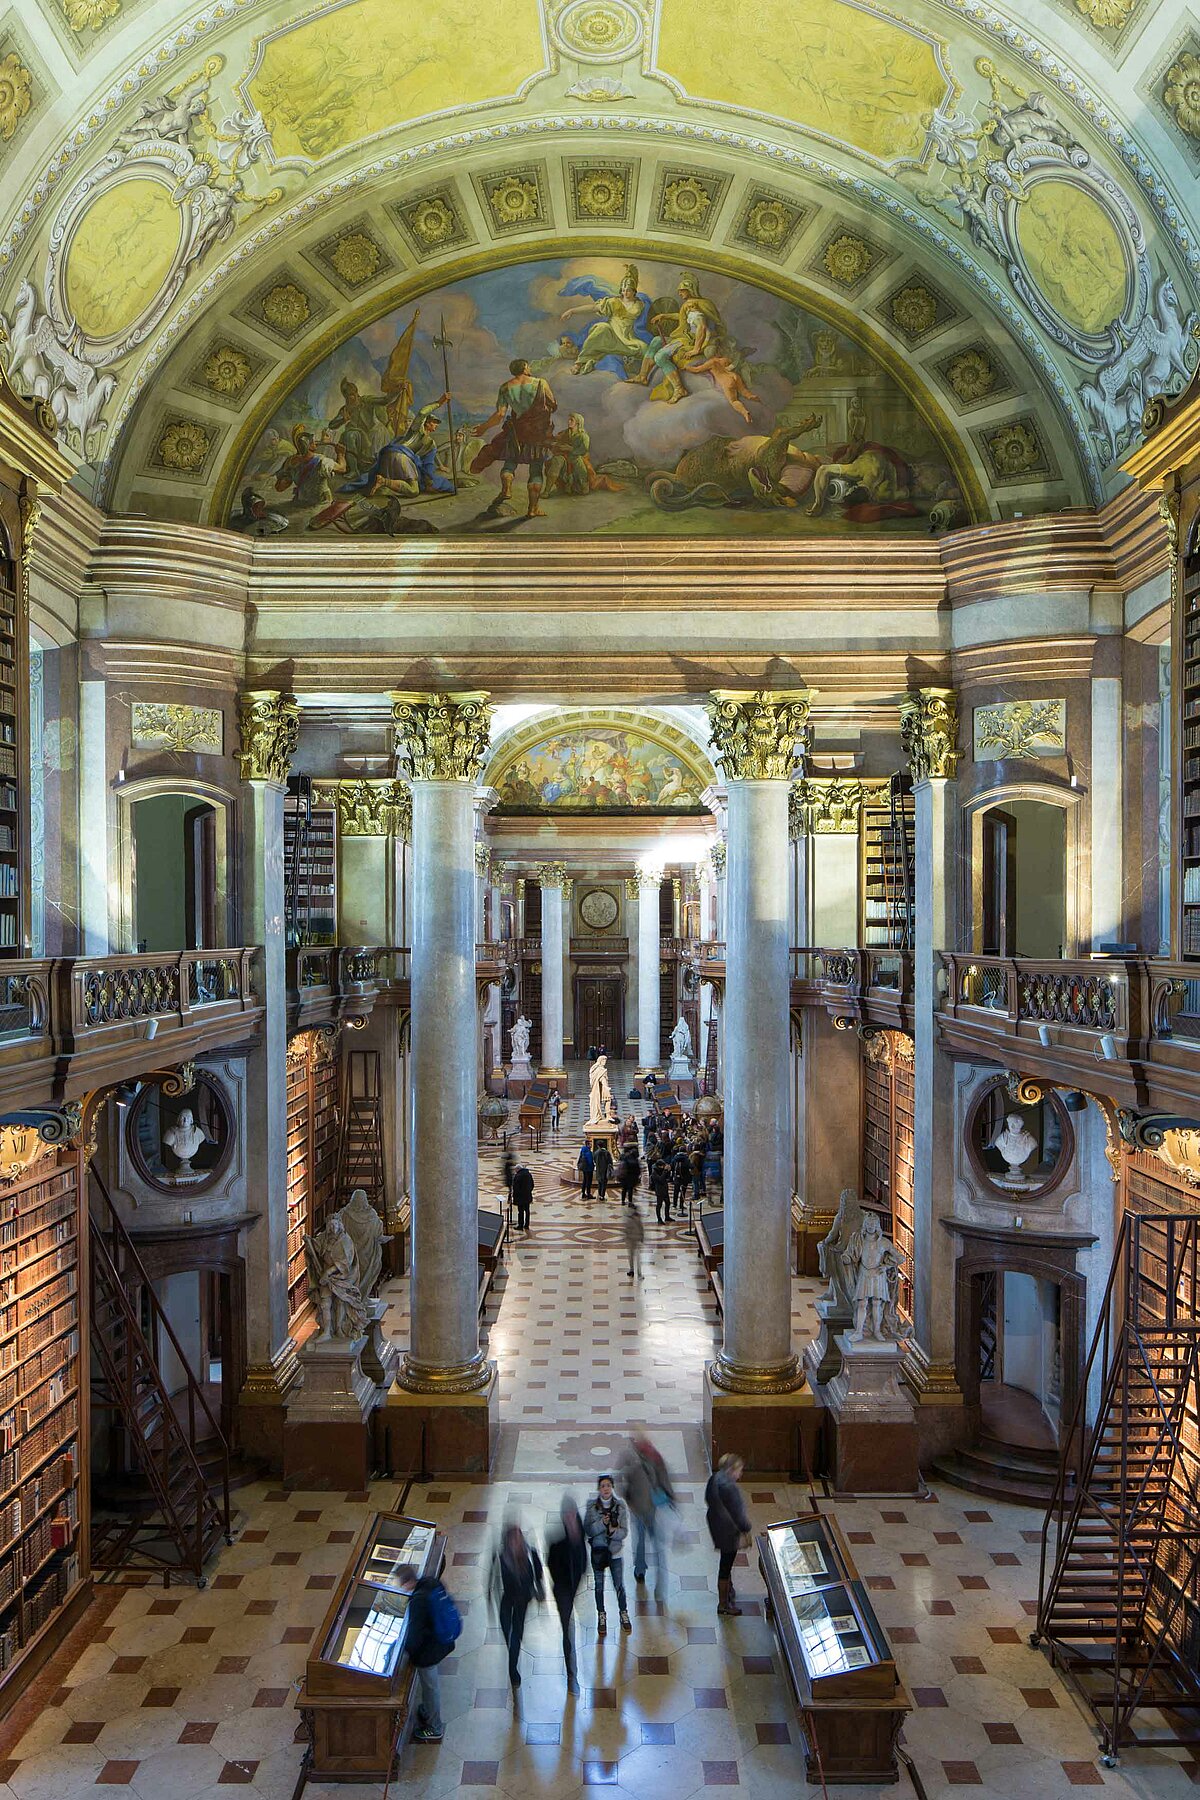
598	30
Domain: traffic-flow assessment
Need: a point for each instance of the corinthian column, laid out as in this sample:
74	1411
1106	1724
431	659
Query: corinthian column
649	881
758	738
441	741
552	879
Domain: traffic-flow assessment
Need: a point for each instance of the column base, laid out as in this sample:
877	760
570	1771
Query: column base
441	1434
772	1433
262	1406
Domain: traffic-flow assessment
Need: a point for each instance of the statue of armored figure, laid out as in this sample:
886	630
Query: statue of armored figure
333	1277
876	1267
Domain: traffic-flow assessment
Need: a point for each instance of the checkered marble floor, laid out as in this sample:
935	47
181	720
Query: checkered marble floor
184	1693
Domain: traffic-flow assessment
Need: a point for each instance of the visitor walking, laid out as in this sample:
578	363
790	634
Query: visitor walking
522	1193
681	1174
430	1634
555	1110
696	1156
650	1497
605	1527
660	1182
566	1561
516	1581
630	1174
728	1525
602	1168
635	1237
585	1162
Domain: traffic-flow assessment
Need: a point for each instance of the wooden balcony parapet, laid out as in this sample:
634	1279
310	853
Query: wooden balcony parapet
331	984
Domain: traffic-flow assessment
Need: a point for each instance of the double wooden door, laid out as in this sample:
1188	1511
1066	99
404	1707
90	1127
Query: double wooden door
599	1014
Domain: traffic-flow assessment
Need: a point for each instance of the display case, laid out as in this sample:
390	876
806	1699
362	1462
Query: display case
851	1701
355	1701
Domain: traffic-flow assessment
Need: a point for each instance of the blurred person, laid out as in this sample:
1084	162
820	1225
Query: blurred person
522	1193
629	1174
517	1580
566	1563
650	1497
635	1236
660	1182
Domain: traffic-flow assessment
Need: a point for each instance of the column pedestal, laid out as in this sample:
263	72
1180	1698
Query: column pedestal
873	1423
452	1434
327	1437
773	1433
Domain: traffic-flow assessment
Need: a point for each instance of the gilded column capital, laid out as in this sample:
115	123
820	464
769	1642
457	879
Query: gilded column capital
716	857
644	879
760	736
929	733
441	737
483	862
270	728
631	888
552	875
825	807
373	808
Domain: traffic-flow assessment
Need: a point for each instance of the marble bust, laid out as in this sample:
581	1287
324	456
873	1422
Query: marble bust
184	1139
1016	1145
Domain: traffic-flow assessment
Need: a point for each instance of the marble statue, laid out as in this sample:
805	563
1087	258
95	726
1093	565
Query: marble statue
681	1040
366	1231
600	1100
833	1250
185	1139
876	1283
1016	1144
519	1035
333	1277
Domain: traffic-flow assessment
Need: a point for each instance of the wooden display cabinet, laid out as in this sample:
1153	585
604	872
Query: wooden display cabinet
851	1701
356	1698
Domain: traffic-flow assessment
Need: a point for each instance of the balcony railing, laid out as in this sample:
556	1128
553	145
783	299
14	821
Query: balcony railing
326	982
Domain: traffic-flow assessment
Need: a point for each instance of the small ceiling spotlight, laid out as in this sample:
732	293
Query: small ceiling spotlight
1075	1102
1045	1036
1106	1049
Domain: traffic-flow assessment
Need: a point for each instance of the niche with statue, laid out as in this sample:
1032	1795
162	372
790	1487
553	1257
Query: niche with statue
179	1138
1020	1148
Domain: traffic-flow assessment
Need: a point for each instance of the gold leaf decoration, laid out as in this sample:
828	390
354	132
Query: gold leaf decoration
16	93
914	309
184	444
601	193
83	15
686	201
1181	93
847	258
972	374
285	307
515	201
226	370
355	257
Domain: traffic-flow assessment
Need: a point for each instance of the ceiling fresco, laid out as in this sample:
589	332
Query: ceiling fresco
602	396
604	760
993	210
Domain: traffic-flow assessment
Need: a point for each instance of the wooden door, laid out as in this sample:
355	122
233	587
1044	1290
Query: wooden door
597	1014
999	884
200	877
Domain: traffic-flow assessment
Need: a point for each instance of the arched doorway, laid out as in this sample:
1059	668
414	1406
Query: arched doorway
1025	898
173	847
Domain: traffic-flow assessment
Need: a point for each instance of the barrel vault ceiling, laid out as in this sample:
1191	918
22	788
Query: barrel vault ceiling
198	203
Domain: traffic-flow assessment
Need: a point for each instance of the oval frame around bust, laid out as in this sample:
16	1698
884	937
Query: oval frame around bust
1053	1178
157	1089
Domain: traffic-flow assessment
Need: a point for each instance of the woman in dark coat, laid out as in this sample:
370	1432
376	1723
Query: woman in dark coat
728	1525
566	1565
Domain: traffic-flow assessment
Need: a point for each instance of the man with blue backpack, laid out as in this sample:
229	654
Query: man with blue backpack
433	1628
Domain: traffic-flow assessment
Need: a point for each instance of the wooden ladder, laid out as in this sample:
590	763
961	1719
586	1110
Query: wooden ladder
360	1153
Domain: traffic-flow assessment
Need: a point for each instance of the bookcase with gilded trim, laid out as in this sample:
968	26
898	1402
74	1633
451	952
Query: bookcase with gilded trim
313	1126
14	735
887	1146
887	834
43	1448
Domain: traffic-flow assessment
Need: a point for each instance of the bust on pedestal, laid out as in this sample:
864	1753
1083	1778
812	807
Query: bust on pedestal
875	1428
1016	1144
520	1073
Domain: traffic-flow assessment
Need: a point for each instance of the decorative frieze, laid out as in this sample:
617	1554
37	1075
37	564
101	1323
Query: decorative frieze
825	806
1020	728
270	728
373	808
441	737
760	736
929	733
186	730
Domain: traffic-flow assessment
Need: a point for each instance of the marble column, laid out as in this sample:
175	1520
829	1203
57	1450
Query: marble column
758	739
649	881
552	879
95	796
445	1383
929	735
1107	799
270	724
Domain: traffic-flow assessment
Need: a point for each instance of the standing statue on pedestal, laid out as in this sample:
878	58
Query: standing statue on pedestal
366	1232
519	1036
833	1251
876	1283
333	1279
600	1100
681	1040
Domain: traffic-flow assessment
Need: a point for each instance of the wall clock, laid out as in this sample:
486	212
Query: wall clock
598	909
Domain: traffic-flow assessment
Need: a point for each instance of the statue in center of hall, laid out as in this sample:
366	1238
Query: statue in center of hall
334	1281
599	1092
519	1037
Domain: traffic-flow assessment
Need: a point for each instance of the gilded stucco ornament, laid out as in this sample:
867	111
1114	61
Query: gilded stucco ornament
825	807
372	808
552	875
270	726
170	725
644	881
16	93
1020	728
441	737
760	736
929	733
1181	93
716	857
847	259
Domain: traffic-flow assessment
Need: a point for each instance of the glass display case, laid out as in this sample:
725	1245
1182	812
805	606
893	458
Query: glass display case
838	1659
357	1684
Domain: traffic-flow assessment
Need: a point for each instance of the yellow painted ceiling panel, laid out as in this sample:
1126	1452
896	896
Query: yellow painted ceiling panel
370	65
1074	254
120	255
853	76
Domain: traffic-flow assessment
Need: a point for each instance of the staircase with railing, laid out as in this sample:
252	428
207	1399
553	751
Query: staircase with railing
160	1509
1119	1592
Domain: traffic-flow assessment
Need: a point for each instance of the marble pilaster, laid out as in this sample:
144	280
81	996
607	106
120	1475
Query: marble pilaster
649	881
552	878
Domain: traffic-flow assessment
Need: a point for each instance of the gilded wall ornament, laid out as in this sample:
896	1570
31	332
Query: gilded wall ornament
971	374
768	222
16	93
270	730
685	201
1016	450
645	880
1181	93
760	736
1020	728
433	221
847	259
355	257
226	370
184	445
372	808
286	307
90	15
825	807
515	200
161	724
552	875
1109	15
929	733
441	737
601	193
914	309
631	887
598	30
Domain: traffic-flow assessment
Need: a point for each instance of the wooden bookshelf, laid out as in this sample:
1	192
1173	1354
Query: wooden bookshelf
887	1152
313	1137
42	1416
297	1183
309	866
14	761
886	888
1188	714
